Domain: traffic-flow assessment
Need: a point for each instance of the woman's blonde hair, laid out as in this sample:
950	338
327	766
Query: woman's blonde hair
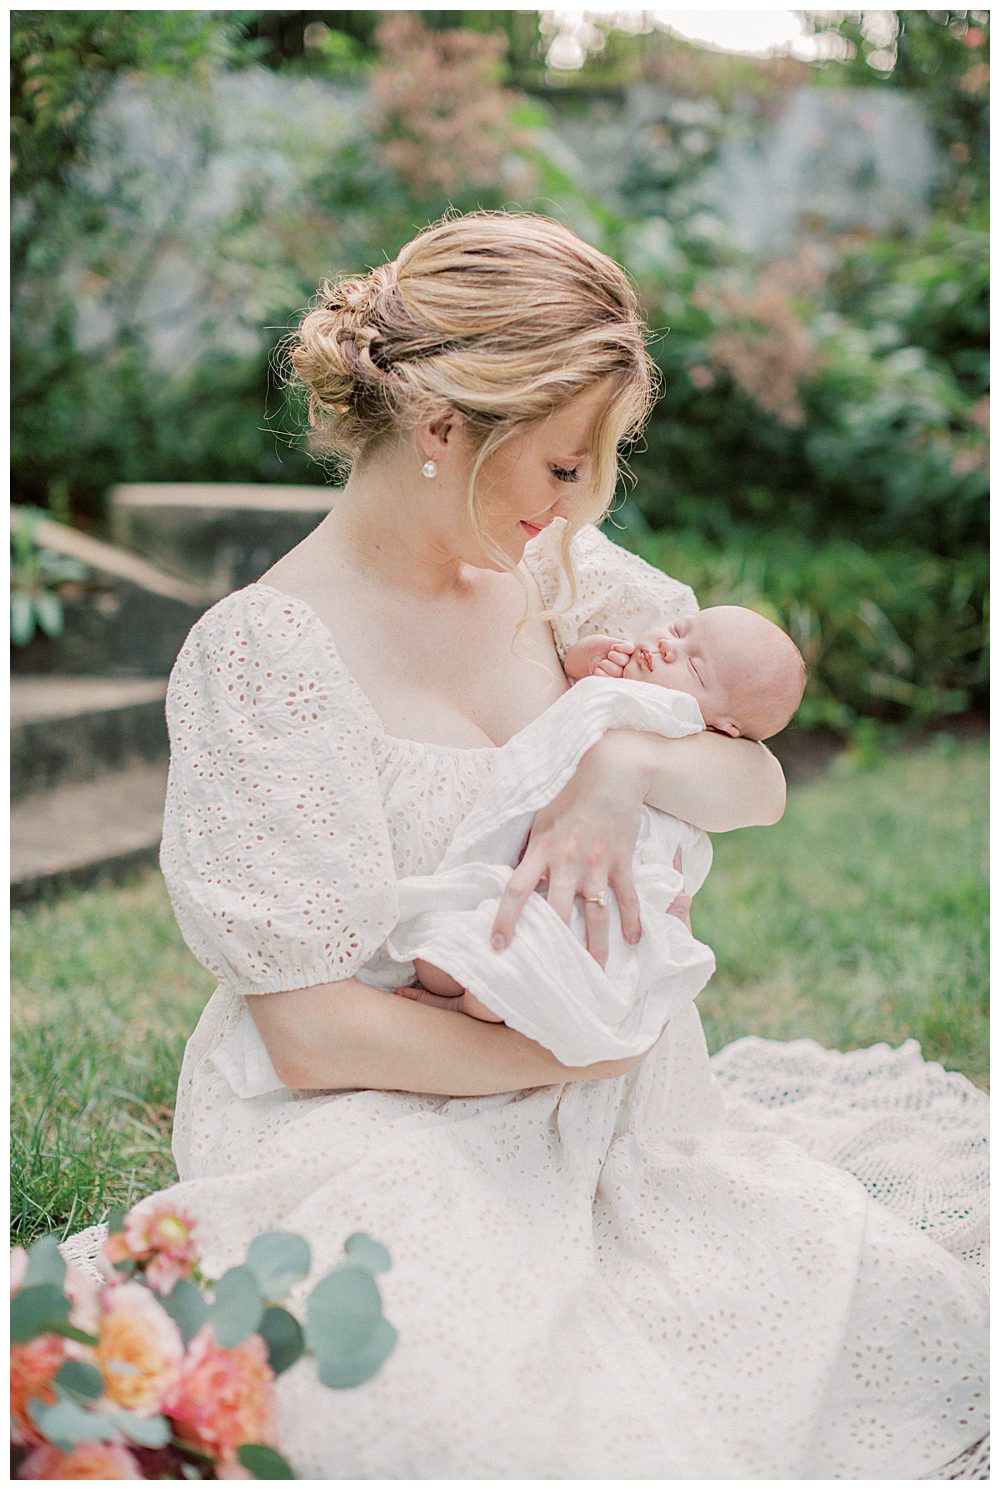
501	316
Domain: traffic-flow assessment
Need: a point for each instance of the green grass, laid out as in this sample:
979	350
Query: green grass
104	994
860	917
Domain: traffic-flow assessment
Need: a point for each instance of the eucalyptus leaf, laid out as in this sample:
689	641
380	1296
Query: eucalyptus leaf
282	1334
35	1311
80	1379
45	1262
49	613
187	1307
148	1433
370	1254
66	1424
340	1368
264	1463
343	1310
278	1259
236	1309
70	1332
22	619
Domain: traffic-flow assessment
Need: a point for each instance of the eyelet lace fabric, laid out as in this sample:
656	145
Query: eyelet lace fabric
767	1265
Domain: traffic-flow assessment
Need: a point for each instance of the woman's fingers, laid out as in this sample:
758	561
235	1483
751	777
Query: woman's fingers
596	919
562	891
525	879
680	907
628	905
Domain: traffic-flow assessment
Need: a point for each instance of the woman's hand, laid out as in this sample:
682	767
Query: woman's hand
582	843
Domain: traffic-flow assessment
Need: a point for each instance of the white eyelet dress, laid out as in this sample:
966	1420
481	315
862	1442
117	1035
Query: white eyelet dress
671	1275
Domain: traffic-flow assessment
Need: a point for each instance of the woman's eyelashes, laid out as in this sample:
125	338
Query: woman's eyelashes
561	473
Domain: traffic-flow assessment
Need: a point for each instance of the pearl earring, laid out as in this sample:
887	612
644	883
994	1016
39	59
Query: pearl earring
429	469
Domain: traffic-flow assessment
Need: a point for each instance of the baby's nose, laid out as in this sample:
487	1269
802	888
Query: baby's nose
668	649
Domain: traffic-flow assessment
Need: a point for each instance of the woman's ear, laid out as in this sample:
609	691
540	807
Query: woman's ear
444	430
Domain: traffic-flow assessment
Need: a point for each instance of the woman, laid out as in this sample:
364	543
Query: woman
594	1274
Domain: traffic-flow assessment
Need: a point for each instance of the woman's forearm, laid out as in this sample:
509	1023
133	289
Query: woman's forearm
349	1035
709	780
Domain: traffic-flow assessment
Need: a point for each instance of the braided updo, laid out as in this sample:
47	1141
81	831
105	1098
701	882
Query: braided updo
500	316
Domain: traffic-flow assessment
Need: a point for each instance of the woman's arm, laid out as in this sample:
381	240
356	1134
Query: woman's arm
708	780
583	841
348	1035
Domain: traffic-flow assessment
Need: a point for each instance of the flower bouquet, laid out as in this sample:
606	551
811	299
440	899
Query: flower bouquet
158	1372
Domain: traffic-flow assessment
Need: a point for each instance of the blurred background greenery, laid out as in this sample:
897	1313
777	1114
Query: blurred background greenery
184	179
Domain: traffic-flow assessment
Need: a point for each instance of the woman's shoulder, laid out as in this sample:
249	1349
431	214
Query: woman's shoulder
260	651
257	615
602	568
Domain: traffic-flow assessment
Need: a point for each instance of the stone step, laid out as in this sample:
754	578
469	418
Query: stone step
128	617
222	534
65	729
79	835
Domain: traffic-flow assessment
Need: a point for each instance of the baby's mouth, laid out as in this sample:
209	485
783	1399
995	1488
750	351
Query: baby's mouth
644	659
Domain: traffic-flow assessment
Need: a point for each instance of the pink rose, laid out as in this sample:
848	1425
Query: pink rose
87	1461
223	1398
160	1235
32	1367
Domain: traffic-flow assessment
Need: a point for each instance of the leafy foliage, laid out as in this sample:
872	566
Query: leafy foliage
36	575
845	399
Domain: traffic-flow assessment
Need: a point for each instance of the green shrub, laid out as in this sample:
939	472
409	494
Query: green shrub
818	399
888	634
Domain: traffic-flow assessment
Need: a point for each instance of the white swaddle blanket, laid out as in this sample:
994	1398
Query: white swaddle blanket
546	984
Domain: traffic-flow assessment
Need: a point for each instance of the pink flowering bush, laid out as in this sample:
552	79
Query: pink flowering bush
161	1373
443	115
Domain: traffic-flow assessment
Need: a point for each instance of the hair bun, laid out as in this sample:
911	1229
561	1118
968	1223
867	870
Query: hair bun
341	341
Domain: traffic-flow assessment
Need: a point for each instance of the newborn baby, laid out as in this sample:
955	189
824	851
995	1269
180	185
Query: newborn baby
745	674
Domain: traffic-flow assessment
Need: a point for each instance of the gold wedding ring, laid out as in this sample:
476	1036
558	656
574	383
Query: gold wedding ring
600	900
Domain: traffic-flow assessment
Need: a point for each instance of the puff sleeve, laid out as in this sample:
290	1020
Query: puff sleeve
275	850
617	592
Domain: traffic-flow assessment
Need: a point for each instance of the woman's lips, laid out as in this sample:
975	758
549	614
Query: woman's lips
531	528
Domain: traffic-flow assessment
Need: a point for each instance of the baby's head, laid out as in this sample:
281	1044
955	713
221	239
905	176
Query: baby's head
746	675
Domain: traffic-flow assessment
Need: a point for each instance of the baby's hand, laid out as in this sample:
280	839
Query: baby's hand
614	663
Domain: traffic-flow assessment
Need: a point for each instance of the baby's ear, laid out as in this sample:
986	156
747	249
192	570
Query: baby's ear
727	727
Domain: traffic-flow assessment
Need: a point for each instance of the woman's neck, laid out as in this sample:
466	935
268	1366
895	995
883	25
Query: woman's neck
399	529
